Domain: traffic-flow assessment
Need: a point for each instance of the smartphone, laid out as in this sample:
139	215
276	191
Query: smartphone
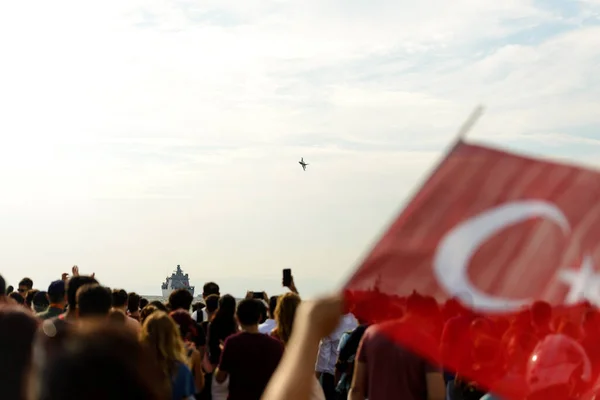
287	277
257	295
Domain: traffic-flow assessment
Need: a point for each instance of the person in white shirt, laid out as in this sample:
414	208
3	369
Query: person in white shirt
267	326
208	289
328	355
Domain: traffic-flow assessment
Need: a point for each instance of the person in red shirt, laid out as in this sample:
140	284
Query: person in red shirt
249	357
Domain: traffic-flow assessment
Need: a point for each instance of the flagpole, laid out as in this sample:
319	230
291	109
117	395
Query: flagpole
469	123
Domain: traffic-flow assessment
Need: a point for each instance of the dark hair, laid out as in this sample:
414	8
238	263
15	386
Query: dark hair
181	299
146	311
27	282
41	299
30	295
133	304
102	362
17	332
55	295
73	285
93	300
143	302
10	289
264	311
249	312
212	303
210	288
2	286
273	305
119	298
187	326
225	316
159	305
17	297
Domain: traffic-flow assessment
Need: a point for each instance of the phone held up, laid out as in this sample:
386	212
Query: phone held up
257	295
287	277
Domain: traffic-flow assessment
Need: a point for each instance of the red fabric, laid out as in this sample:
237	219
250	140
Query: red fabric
516	224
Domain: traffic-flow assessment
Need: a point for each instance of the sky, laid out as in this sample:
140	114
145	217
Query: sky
141	134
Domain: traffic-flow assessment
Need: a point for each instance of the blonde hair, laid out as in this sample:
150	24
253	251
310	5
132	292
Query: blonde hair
161	334
284	315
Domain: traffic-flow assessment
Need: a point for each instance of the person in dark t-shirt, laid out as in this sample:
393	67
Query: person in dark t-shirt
249	358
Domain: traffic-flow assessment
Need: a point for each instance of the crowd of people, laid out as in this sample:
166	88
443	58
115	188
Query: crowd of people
81	340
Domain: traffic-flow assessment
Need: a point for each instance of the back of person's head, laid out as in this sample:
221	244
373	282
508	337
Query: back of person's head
9	289
187	326
40	301
146	311
17	298
73	285
180	299
212	303
29	297
159	305
26	283
161	334
56	292
2	286
143	303
101	362
134	302
264	310
285	314
541	313
273	305
119	298
17	332
93	300
210	288
248	312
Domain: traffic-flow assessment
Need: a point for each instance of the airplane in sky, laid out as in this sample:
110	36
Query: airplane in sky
303	163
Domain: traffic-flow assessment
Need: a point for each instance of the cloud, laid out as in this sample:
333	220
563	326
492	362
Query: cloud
187	118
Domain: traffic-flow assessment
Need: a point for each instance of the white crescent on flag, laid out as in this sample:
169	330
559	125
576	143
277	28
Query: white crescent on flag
460	244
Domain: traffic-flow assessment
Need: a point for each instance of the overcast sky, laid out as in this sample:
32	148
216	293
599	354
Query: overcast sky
138	135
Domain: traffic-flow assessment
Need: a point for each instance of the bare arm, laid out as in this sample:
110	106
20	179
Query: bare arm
198	373
294	377
358	389
436	389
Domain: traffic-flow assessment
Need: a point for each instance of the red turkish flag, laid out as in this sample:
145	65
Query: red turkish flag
498	231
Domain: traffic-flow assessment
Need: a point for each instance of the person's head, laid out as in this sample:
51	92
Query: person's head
100	362
56	293
187	326
143	303
285	312
272	306
180	299
146	311
210	288
20	300
119	298
40	302
93	300
159	305
9	289
133	304
73	286
29	297
25	285
212	304
161	334
264	311
226	306
17	332
248	313
2	286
